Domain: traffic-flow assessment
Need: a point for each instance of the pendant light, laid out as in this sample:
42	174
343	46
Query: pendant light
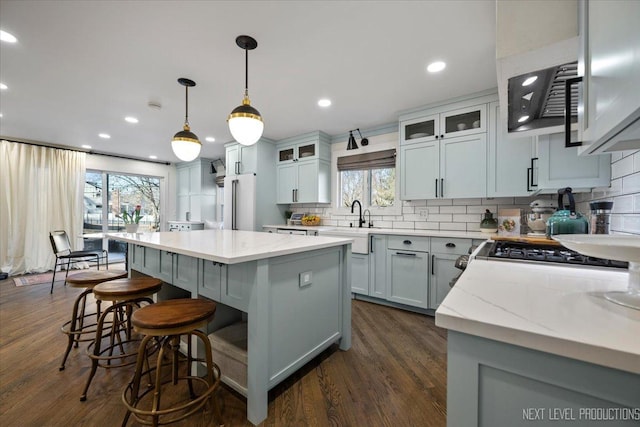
185	144
245	122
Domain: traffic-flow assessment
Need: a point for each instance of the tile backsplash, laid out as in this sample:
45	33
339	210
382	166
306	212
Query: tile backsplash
466	214
624	192
436	214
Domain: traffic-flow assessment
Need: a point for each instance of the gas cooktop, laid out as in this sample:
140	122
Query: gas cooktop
528	252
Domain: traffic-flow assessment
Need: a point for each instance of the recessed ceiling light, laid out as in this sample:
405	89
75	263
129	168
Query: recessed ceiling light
324	102
3	86
530	80
131	119
210	139
88	147
523	119
434	67
7	37
104	135
153	157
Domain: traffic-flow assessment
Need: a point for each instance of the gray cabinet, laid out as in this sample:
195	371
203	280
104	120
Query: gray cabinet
196	190
303	169
176	269
408	277
213	274
360	274
241	159
509	159
557	166
444	252
378	266
450	167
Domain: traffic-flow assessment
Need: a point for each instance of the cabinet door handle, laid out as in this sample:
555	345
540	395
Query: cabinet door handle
441	187
371	244
450	245
293	195
533	185
433	262
529	178
237	168
436	136
436	188
407	242
406	253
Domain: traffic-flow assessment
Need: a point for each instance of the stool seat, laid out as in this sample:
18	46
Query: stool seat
161	318
124	289
86	279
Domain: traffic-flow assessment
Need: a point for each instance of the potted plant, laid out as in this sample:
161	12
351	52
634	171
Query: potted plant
131	220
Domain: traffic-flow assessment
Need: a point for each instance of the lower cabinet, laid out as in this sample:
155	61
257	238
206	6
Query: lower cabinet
176	269
360	274
408	277
378	266
443	270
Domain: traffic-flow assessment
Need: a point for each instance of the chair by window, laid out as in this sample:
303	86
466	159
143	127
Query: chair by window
64	255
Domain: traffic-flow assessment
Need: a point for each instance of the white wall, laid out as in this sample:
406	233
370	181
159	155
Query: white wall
166	173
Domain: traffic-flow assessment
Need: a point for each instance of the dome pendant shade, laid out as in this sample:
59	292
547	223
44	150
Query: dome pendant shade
185	144
245	122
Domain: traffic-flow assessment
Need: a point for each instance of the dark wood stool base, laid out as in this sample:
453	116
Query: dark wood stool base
168	321
77	329
126	295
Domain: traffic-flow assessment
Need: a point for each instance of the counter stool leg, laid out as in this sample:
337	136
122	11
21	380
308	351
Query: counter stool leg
134	385
211	376
72	326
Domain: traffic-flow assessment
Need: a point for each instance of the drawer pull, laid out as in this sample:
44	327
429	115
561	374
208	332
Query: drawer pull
407	242
450	245
405	254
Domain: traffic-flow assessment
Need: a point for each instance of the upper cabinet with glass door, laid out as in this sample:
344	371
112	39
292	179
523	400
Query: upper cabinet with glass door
459	122
294	153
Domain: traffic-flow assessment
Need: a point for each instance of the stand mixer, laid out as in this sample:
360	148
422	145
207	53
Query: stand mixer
537	220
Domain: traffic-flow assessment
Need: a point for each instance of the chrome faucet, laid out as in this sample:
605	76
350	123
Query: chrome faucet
360	218
369	212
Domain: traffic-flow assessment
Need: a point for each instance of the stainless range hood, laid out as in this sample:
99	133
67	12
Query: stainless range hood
537	99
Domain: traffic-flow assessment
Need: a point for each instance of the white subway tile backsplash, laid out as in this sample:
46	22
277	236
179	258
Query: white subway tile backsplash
631	183
408	210
383	224
417	203
439	202
616	156
473	218
427	225
453	226
453	209
622	167
631	223
498	201
403	224
440	217
636	203
467	201
482	209
623	204
636	161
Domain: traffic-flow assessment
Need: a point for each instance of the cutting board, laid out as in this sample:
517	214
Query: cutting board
538	240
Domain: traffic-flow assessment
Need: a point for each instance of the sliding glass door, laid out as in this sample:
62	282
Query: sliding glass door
104	210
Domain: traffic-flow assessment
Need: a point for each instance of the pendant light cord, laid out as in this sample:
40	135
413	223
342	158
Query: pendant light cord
246	71
186	105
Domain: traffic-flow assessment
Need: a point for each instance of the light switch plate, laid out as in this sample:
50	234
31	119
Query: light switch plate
306	278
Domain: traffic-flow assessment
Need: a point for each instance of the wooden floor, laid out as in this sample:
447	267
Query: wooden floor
394	374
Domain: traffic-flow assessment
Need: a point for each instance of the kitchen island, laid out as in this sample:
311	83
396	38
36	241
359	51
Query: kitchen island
540	342
293	291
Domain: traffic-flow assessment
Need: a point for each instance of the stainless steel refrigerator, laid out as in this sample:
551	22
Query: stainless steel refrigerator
249	204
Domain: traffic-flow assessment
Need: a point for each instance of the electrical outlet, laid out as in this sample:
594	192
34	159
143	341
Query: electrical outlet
423	212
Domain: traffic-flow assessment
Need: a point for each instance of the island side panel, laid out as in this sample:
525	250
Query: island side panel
491	383
345	341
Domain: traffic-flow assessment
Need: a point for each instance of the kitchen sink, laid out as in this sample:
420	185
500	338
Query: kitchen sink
360	237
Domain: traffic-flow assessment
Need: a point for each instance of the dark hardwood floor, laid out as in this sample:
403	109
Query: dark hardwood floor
394	374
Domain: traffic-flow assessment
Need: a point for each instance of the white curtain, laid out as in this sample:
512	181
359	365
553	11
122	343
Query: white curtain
41	190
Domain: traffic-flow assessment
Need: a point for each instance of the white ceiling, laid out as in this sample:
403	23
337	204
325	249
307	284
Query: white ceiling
80	67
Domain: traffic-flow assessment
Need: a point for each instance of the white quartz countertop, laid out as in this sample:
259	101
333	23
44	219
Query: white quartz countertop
326	230
230	247
555	309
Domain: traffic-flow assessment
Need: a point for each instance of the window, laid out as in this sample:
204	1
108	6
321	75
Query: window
369	178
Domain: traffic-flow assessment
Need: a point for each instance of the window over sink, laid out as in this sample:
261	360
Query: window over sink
369	178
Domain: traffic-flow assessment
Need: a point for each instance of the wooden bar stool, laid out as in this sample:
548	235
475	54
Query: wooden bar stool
167	321
76	328
125	295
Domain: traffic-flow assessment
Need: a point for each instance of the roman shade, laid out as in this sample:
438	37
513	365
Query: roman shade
375	160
